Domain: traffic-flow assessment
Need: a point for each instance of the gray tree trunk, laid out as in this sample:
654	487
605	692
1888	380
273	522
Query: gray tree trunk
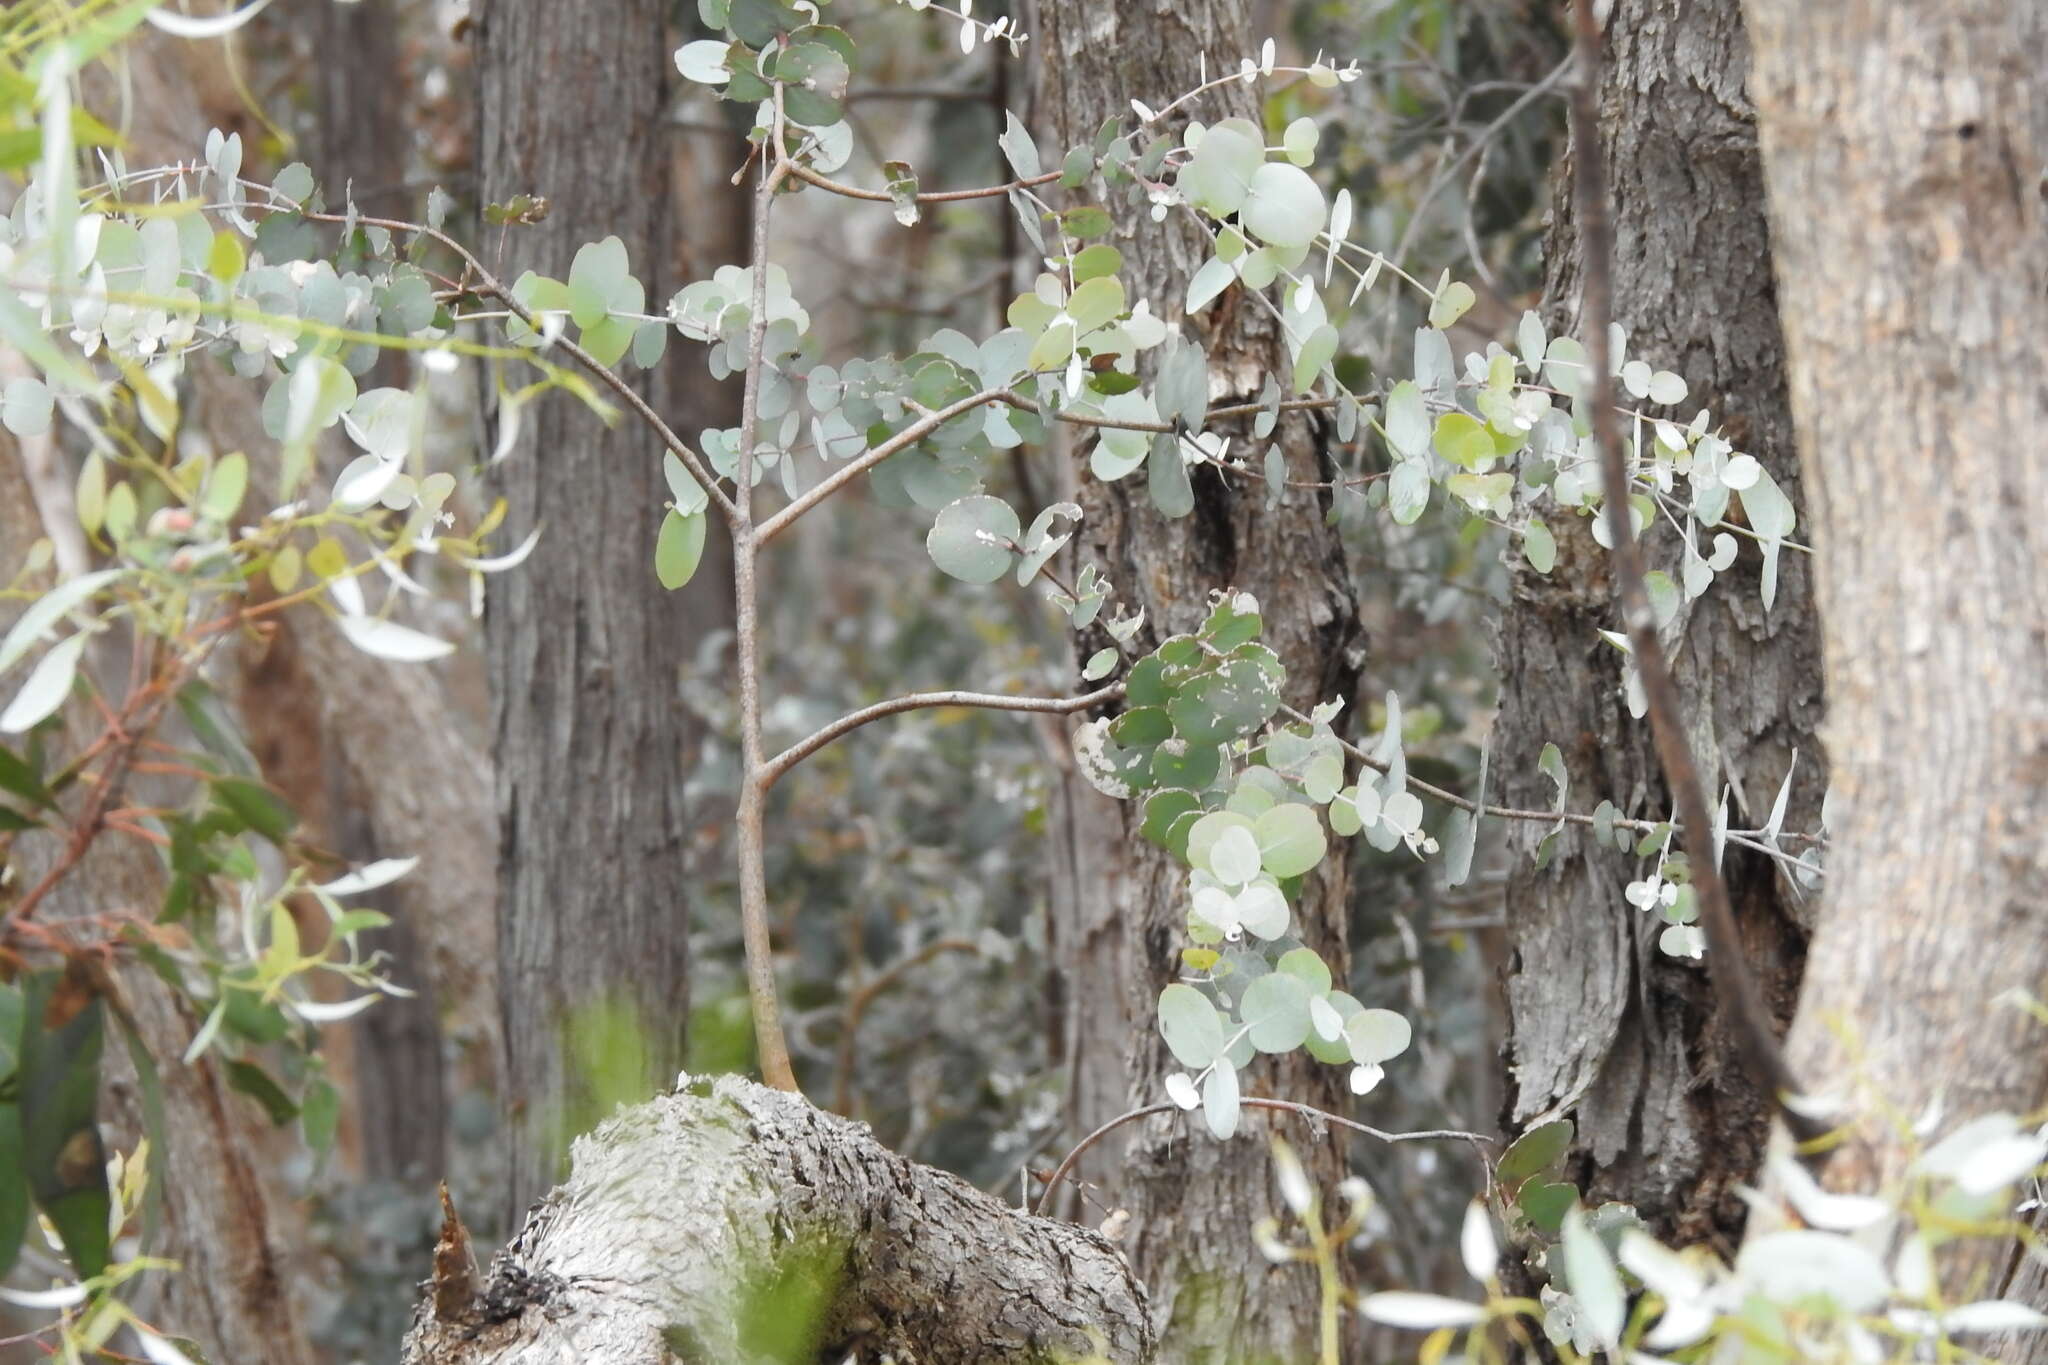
728	1224
1602	1028
1120	908
585	649
1904	152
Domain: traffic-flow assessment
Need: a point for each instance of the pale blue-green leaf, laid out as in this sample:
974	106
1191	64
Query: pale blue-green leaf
1299	141
689	495
679	547
1565	366
27	406
1096	302
1219	174
1234	860
1212	279
49	682
1308	965
47	610
1275	1009
1285	206
1769	511
1262	910
225	486
704	62
1190	1025
1205	832
1377	1036
1530	341
1595	1283
1799	1265
1173	493
1477	1247
1451	303
1290	839
1539	547
390	640
1099	665
972	538
1551	764
1219	1101
1407	420
1408	491
1666	388
1315	355
1420	1312
1018	148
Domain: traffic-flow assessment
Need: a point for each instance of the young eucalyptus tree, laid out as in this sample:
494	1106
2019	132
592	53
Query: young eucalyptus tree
1189	282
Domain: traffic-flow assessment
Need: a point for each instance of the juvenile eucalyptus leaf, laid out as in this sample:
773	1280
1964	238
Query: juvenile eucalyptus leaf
1018	148
1190	1025
974	538
679	547
1275	1009
1220	1106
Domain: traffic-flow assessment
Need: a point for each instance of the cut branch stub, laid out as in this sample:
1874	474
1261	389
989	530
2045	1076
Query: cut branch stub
731	1222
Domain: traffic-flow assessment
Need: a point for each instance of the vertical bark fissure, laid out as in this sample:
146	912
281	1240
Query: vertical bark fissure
585	652
1602	1027
1122	915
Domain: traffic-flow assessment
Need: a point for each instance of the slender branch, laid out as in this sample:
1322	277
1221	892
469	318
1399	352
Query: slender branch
866	460
1086	419
796	753
811	177
857	1006
1478	144
1748	1018
490	284
1568	817
1308	1111
762	994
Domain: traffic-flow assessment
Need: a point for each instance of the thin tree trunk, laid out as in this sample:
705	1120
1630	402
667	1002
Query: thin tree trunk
585	650
1602	1027
1193	1200
1904	151
397	1053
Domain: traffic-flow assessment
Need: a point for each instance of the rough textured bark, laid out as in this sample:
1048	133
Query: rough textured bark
1904	152
406	1073
1193	1200
223	1219
585	650
705	1224
1601	1026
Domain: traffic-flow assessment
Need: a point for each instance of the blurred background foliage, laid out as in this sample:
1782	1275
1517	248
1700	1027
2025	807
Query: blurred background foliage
907	860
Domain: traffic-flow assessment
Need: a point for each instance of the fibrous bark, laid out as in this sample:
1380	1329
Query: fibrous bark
1904	149
585	651
1602	1027
731	1223
1121	912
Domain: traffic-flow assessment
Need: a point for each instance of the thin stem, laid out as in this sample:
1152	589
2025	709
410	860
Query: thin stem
866	460
823	182
857	1005
1308	1111
1748	1019
490	284
796	753
749	838
1568	817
